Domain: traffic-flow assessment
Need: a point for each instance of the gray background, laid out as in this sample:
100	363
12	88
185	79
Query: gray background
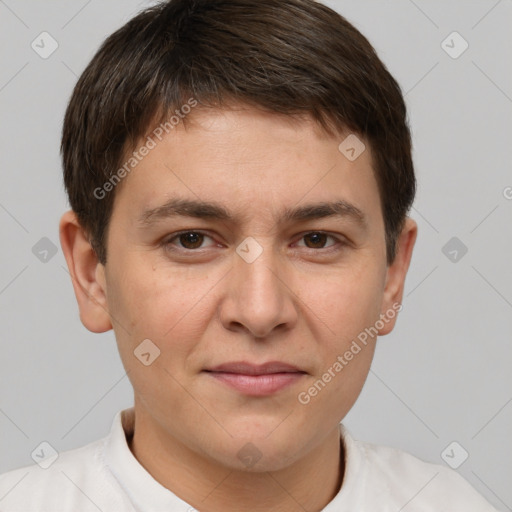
443	375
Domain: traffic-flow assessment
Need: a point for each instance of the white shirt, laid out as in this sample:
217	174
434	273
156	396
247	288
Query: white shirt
105	476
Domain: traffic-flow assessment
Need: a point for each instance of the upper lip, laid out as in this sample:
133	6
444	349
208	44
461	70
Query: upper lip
244	368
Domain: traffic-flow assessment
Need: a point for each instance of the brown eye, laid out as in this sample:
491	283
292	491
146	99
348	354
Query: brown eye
188	243
191	240
316	240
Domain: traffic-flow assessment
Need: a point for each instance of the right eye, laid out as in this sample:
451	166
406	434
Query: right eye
187	240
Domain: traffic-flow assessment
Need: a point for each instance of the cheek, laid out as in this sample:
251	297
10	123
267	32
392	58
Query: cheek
346	302
346	348
151	297
166	306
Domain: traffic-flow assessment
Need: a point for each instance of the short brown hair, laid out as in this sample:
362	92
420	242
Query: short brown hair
295	57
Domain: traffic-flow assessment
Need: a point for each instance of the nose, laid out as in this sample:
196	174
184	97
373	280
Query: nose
260	296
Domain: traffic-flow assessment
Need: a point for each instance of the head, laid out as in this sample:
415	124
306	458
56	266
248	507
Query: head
240	176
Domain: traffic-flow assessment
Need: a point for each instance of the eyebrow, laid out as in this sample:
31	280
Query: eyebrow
211	210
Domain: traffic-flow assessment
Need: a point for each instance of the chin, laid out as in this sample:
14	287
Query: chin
257	451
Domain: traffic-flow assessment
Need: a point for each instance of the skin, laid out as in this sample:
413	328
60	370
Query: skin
302	301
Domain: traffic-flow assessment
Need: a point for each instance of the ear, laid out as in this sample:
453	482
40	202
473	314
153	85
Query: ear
87	274
395	276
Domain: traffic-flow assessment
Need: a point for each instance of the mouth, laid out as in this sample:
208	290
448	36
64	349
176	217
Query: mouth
256	380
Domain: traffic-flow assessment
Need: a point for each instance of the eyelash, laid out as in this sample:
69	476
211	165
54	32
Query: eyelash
167	243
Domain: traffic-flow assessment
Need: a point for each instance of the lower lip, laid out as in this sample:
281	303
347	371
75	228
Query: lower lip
258	385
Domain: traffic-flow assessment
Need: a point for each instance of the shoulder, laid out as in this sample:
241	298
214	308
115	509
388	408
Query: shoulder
405	481
77	480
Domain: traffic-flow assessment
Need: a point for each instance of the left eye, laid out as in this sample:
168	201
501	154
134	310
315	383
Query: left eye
317	240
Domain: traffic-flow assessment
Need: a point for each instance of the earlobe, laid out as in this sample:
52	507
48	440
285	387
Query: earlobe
87	274
396	274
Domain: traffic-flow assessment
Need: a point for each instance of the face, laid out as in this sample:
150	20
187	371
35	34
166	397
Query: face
251	253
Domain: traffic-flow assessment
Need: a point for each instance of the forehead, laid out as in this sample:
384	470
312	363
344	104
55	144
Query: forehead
251	163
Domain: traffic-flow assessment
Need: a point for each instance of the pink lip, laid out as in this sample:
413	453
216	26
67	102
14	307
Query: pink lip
256	380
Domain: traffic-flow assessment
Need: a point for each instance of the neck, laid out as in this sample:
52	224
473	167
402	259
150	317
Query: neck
308	484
